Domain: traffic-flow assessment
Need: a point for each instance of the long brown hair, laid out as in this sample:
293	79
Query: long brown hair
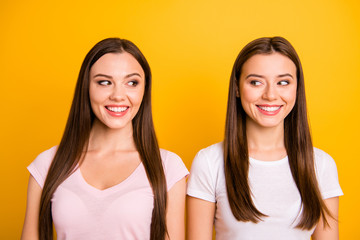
76	136
297	140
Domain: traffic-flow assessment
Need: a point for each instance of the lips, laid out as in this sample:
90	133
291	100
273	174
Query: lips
117	111
269	110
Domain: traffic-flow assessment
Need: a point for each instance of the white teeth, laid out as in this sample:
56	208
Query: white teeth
117	109
269	109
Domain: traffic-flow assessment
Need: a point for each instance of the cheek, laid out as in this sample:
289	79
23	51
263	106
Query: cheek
136	97
92	95
96	95
248	96
247	100
290	96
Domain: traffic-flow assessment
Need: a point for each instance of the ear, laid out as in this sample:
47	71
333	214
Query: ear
237	93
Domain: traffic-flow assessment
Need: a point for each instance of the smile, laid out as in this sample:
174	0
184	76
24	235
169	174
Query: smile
269	110
117	109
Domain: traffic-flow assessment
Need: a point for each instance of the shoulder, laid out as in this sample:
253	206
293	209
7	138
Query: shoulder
174	167
206	171
216	148
326	173
209	163
212	155
320	154
45	158
170	158
171	161
323	160
166	154
40	166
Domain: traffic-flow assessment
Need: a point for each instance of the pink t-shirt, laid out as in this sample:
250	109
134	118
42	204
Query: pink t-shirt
81	211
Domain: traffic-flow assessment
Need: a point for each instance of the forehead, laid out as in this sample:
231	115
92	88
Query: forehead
269	64
117	64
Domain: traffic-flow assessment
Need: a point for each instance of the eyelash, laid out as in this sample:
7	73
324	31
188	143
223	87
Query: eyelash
283	81
255	82
134	83
104	82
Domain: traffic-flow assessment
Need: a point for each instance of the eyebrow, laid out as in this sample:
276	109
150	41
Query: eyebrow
132	74
102	75
108	76
254	75
261	76
286	75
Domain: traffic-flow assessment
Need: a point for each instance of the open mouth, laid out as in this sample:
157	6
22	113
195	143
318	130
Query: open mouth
116	109
269	108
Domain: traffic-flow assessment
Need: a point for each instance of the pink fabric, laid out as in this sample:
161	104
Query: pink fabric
123	211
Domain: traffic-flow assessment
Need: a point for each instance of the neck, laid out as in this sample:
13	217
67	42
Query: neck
265	143
103	138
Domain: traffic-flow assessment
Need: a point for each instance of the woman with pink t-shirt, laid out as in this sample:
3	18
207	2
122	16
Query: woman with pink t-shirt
108	179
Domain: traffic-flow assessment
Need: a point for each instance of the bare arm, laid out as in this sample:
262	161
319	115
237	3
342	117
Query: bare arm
332	232
175	219
30	228
200	219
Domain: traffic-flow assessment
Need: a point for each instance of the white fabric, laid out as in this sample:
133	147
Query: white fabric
274	194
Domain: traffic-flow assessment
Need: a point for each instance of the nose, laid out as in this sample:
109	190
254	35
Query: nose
118	94
270	92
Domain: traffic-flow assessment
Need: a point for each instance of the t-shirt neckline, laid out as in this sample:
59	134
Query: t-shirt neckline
112	188
275	162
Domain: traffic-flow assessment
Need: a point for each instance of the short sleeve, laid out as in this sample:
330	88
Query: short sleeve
327	175
174	168
40	166
201	182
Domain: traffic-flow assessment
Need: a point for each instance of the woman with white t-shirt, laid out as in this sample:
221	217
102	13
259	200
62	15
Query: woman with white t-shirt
108	179
265	181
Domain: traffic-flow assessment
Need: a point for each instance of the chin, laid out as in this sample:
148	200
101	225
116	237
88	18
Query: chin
114	125
117	126
271	124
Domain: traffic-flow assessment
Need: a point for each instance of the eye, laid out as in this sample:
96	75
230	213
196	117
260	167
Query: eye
133	83
255	82
283	82
104	82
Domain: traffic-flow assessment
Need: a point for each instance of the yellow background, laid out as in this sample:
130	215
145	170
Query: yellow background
191	47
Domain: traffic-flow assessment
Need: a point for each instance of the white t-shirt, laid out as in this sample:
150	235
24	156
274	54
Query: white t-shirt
274	194
81	211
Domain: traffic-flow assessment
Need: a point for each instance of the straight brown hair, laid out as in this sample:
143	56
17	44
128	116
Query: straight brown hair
297	140
75	139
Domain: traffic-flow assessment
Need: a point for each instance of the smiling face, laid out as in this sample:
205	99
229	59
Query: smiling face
117	83
267	89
